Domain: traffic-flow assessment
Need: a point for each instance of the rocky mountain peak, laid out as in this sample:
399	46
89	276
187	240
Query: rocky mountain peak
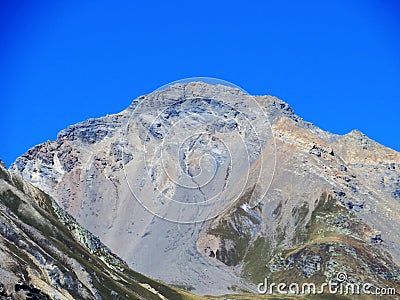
3	164
204	185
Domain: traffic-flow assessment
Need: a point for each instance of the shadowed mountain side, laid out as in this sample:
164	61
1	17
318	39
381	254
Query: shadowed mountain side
117	175
45	254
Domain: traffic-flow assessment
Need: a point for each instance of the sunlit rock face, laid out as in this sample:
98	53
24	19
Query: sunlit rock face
207	187
46	254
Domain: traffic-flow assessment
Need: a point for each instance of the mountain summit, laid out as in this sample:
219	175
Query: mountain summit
210	189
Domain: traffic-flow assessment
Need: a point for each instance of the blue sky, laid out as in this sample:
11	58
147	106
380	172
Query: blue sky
337	63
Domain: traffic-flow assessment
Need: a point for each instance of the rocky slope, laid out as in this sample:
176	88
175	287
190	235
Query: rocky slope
283	198
45	254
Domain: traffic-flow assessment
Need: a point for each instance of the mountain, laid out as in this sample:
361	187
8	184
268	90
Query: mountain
46	254
212	190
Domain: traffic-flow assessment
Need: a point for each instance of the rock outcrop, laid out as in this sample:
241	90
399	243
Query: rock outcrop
46	254
321	199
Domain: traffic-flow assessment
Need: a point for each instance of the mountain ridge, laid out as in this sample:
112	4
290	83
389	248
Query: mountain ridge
84	171
45	254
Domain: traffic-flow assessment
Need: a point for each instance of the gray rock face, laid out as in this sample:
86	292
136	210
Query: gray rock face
144	180
46	254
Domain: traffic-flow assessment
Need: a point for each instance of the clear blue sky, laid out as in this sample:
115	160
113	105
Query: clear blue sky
337	63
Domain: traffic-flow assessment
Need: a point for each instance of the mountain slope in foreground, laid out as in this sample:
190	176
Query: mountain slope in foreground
45	254
332	202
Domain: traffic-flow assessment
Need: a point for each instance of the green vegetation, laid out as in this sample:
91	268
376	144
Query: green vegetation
40	213
299	214
234	238
238	243
332	240
334	237
283	297
331	234
254	269
24	211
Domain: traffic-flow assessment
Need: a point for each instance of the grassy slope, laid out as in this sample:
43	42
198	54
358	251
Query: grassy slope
321	231
335	236
37	211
